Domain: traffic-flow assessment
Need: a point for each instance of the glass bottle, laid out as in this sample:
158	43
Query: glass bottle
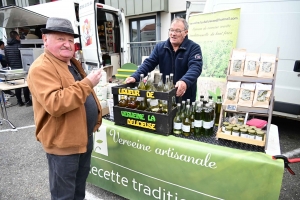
141	85
123	102
172	86
149	83
192	117
212	116
166	89
167	84
188	102
160	109
207	120
177	122
142	105
171	81
198	128
182	112
186	122
160	84
202	98
218	110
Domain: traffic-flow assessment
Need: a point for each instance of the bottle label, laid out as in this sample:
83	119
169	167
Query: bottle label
177	125
193	124
154	102
244	135
235	133
206	125
251	136
212	123
186	128
198	123
140	98
258	138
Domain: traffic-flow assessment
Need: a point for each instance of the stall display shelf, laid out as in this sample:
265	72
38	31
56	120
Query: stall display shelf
250	110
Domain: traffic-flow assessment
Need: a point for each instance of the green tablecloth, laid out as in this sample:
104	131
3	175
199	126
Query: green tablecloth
141	165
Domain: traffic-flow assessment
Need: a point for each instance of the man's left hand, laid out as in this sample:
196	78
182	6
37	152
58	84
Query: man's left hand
181	88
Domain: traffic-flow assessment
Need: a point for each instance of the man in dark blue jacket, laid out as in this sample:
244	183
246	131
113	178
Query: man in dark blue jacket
13	58
177	55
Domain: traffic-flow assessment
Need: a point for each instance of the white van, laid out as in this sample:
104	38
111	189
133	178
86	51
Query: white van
264	26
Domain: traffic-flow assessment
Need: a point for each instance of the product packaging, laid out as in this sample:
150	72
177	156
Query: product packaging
262	95
237	62
232	93
251	64
246	94
267	66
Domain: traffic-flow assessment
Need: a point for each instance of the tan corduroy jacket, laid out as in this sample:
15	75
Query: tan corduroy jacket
58	105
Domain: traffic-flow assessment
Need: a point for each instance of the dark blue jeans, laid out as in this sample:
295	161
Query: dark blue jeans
68	174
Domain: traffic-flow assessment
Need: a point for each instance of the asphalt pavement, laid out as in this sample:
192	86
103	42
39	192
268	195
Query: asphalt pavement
24	170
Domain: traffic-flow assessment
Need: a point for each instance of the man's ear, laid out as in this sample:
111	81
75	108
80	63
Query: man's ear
45	40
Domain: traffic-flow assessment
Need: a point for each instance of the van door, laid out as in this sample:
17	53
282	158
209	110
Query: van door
103	41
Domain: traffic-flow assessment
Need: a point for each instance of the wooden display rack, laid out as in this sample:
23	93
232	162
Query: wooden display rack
250	110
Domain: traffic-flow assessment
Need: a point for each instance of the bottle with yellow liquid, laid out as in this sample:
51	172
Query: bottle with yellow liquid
160	84
186	122
177	122
123	102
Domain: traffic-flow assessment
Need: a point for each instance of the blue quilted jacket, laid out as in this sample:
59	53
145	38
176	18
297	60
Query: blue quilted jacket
185	64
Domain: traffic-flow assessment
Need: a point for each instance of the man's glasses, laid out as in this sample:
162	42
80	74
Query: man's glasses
177	31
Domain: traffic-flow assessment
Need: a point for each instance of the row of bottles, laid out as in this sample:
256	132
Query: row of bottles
150	105
197	119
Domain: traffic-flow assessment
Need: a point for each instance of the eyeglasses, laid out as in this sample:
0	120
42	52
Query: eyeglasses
177	31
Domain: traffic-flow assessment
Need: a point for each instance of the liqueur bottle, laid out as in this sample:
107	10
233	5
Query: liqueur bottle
188	102
202	98
218	110
166	89
213	112
198	128
172	86
123	102
141	85
149	83
142	105
160	84
160	109
192	117
186	122
212	117
131	101
182	112
177	122
154	105
207	120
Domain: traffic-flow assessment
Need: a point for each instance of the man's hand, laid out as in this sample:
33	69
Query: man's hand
95	76
130	80
181	88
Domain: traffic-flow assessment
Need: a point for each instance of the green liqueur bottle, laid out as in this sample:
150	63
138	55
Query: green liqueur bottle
171	88
141	86
198	128
160	84
192	117
142	105
166	89
186	122
213	115
149	83
218	110
123	102
182	112
207	120
177	122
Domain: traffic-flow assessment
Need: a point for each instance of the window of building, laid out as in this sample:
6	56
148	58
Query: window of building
11	2
141	31
33	2
178	14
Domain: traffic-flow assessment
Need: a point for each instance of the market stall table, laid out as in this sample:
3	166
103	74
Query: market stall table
9	85
142	165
